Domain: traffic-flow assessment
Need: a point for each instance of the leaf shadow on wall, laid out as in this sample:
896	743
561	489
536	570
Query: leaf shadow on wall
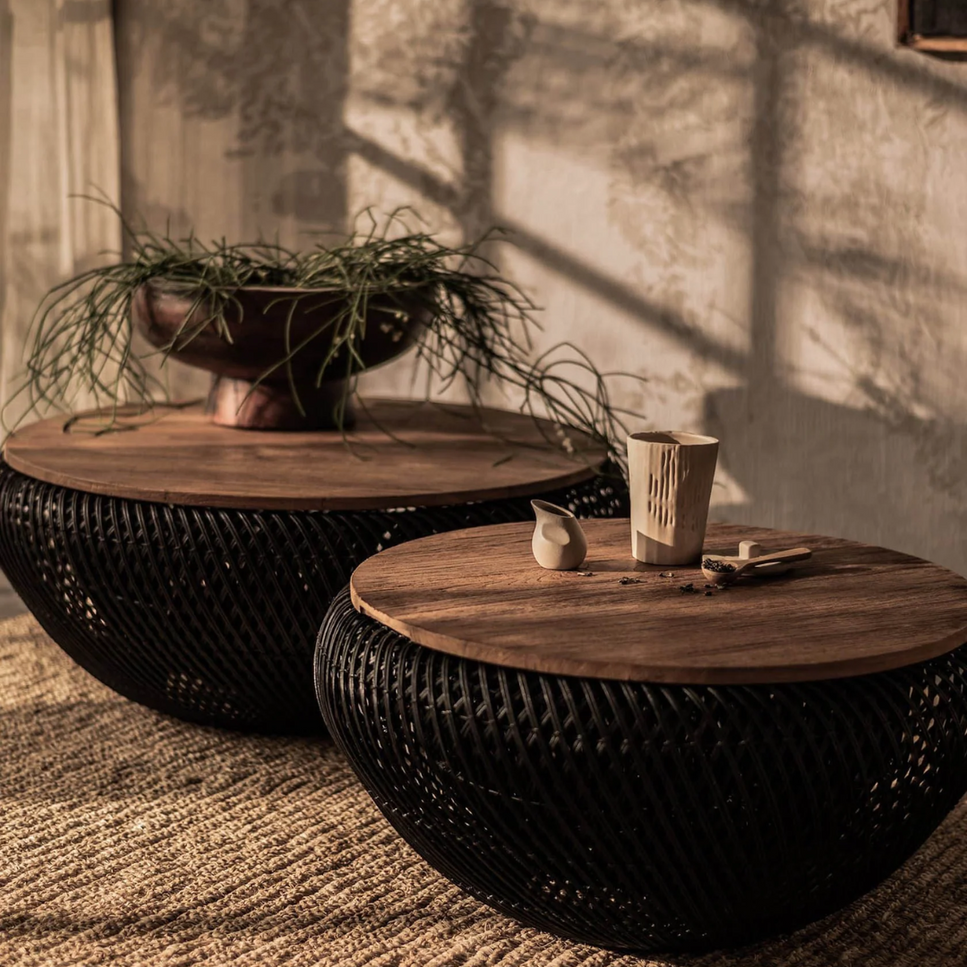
890	462
877	329
279	69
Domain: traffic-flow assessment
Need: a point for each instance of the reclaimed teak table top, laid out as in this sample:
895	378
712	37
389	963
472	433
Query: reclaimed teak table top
399	454
850	610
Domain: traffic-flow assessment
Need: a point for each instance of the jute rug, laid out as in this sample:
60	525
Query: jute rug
130	838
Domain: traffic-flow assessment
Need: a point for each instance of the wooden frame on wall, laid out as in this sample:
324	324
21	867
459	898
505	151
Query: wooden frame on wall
937	26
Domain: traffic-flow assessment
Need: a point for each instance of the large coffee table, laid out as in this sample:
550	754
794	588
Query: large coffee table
617	760
188	566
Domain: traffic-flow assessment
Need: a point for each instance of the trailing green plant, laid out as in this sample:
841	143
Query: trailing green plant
480	325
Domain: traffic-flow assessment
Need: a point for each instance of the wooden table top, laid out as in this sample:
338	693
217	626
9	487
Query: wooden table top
400	454
851	609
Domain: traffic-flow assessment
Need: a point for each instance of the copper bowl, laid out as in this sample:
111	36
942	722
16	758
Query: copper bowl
175	320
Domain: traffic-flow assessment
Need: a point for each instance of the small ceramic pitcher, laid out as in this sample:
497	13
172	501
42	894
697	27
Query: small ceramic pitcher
559	543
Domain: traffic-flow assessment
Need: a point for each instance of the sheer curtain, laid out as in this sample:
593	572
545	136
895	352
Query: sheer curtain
58	137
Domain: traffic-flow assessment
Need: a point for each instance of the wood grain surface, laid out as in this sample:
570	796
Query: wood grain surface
851	609
401	454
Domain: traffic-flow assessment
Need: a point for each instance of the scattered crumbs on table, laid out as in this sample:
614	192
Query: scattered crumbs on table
708	594
627	580
688	588
585	574
667	574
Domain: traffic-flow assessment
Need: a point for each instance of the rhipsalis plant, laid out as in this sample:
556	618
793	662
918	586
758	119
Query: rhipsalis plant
479	329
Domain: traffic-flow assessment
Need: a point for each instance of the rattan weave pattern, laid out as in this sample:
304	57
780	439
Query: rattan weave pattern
211	614
645	817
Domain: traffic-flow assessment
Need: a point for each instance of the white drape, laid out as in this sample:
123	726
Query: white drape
58	138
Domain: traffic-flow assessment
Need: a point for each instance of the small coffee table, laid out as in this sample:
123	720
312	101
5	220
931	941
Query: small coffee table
188	566
620	758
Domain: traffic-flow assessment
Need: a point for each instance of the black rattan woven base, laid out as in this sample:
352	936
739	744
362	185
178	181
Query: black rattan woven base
209	614
652	818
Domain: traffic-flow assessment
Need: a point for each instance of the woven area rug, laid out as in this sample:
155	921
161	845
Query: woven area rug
127	837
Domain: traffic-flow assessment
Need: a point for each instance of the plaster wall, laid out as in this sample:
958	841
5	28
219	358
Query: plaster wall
758	205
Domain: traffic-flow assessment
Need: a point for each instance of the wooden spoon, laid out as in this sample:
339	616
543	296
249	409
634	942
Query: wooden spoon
723	572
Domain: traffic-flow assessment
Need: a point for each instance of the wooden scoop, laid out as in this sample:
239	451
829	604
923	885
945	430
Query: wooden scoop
718	571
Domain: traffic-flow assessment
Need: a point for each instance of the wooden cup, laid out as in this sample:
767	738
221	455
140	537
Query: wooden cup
670	478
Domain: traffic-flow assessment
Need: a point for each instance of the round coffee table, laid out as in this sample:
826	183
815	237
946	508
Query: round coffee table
620	758
188	566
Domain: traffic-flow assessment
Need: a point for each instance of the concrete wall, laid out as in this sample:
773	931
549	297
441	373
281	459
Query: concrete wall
759	205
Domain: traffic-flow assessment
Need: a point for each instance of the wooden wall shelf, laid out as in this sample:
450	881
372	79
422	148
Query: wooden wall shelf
933	26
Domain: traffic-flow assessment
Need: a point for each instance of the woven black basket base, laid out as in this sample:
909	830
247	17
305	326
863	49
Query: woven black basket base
644	817
210	614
